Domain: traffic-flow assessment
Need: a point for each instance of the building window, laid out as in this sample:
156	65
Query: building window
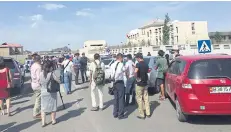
193	26
177	39
229	37
156	31
226	47
148	34
176	29
137	34
193	32
216	46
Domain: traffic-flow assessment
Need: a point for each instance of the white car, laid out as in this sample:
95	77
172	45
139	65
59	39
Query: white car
107	63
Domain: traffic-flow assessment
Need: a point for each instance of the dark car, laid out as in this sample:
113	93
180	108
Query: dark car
16	74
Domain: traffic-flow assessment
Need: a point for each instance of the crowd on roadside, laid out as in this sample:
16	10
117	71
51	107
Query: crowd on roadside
47	73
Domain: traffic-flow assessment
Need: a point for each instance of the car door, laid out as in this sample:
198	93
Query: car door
177	77
169	84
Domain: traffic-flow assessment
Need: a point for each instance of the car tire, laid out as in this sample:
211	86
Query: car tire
180	115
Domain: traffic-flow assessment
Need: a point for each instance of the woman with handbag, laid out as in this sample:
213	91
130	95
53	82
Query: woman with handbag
49	80
5	85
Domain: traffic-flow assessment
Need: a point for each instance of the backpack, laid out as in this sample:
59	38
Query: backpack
53	86
99	75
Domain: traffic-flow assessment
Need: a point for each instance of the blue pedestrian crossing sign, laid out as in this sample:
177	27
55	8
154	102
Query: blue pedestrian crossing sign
204	46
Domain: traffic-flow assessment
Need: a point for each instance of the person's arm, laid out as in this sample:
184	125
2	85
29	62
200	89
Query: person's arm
136	69
37	73
10	76
91	72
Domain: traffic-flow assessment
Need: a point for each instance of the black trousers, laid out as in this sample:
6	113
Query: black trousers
119	92
84	73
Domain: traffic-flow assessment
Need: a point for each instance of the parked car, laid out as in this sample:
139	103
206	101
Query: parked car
16	75
107	62
200	85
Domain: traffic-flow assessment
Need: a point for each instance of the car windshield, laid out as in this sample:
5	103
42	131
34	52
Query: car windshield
9	63
211	68
107	61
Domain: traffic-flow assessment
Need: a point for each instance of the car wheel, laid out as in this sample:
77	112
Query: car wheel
180	115
165	90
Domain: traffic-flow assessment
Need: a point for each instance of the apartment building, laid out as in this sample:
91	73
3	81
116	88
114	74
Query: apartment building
181	32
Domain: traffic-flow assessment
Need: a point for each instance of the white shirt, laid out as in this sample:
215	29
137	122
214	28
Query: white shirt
69	66
119	73
92	67
129	66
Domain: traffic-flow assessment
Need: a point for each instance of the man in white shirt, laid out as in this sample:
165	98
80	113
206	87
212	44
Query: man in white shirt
117	74
68	68
35	77
130	84
93	85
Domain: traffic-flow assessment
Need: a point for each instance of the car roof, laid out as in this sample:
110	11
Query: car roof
203	57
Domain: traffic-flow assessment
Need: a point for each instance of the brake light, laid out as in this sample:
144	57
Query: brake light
186	84
149	70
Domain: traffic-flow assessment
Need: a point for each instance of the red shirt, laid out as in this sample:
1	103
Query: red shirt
3	83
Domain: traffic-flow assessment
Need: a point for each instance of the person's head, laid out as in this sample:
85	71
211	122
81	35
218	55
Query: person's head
83	54
47	67
161	53
139	57
2	63
76	54
119	57
37	59
167	56
96	56
176	51
129	57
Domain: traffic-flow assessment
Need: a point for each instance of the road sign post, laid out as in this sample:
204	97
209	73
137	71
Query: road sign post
204	46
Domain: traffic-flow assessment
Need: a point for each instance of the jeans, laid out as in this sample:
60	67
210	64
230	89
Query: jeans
76	76
62	75
119	93
37	104
67	81
84	73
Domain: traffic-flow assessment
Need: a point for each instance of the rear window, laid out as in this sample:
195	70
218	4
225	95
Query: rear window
212	68
9	63
107	61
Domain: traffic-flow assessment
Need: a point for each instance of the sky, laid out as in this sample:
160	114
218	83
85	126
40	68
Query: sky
40	26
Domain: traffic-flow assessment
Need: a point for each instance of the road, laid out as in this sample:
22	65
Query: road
77	117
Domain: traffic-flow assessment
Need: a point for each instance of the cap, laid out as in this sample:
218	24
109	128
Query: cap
67	57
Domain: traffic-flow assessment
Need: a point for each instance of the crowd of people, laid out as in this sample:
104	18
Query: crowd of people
47	73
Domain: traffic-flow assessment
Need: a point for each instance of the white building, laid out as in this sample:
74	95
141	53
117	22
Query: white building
181	32
93	46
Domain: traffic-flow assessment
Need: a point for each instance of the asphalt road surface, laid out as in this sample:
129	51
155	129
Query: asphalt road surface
77	117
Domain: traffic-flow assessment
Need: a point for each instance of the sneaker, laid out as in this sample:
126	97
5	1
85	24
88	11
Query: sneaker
148	116
139	117
94	109
37	117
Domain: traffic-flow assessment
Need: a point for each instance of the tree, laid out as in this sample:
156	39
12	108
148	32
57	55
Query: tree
166	30
218	37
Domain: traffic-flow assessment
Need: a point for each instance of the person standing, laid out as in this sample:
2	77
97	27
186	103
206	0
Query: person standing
161	67
5	85
48	98
141	72
149	54
97	74
130	85
68	68
35	78
76	63
119	91
83	67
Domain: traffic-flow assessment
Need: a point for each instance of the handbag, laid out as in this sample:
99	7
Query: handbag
53	86
111	89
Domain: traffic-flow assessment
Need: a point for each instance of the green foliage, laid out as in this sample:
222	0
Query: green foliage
218	37
166	30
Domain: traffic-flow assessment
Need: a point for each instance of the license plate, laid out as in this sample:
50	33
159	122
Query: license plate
220	90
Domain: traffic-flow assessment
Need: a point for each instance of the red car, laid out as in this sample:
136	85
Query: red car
200	85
